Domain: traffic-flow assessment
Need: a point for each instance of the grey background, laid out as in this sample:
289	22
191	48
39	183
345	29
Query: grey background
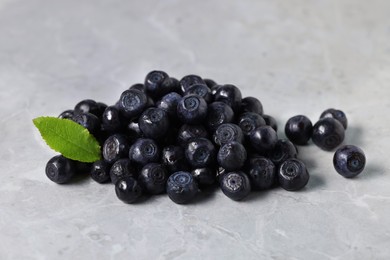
297	57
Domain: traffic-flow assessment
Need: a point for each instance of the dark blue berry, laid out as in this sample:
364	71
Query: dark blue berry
132	102
181	187
169	103
218	114
204	176
115	147
111	119
336	114
88	106
263	139
173	157
214	89
226	133
67	114
100	171
128	190
60	169
200	153
102	107
188	132
154	122
269	120
328	133
153	82
232	156
153	178
261	173
349	161
200	90
190	80
139	87
133	131
122	168
283	150
293	175
144	151
235	185
210	83
170	85
230	95
249	121
298	129
251	104
88	121
192	109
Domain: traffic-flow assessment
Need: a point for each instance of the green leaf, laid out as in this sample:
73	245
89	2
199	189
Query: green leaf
70	139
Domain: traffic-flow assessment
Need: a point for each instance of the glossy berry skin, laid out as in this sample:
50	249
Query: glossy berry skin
112	119
88	106
261	173
154	122
60	169
328	133
349	161
299	129
67	114
144	151
293	175
188	132
100	171
192	109
122	168
251	104
128	190
249	121
283	150
214	90
169	103
132	130
230	95
181	187
115	147
200	153
210	83
138	86
88	121
132	103
101	107
226	133
218	113
190	80
235	185
232	156
263	139
153	178
204	176
153	82
269	120
173	158
201	90
336	114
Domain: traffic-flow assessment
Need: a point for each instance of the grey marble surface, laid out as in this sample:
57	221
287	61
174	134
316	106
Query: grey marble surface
297	57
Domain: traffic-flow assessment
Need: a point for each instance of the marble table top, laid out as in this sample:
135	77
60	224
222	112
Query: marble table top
297	57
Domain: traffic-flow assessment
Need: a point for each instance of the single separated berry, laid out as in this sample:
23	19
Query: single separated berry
181	187
336	114
190	80
88	121
349	161
283	150
232	156
153	178
132	102
263	139
115	147
169	103
298	129
200	153
153	82
154	122
100	171
188	132
235	185
204	176
230	95
328	133
128	190
88	106
174	159
201	90
192	109
249	121
226	133
121	169
60	169
251	104
293	175
144	151
218	113
261	173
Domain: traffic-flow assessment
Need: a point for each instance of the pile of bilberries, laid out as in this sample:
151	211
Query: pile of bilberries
180	137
